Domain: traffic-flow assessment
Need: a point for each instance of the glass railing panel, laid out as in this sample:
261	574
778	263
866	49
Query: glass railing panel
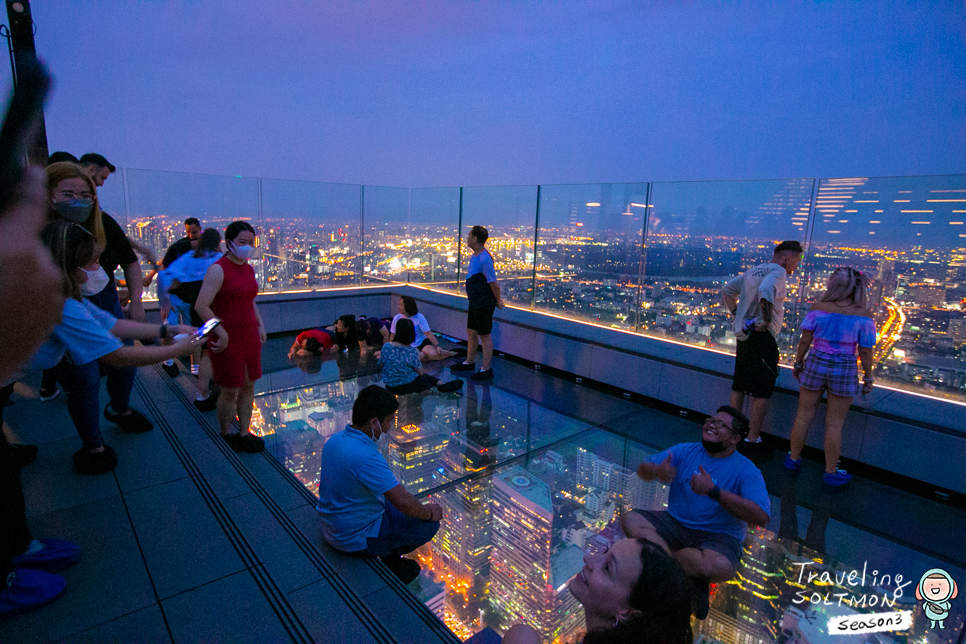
589	251
110	196
386	220
312	235
908	234
700	235
511	540
159	202
433	255
508	213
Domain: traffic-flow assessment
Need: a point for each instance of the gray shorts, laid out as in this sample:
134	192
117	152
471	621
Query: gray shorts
678	536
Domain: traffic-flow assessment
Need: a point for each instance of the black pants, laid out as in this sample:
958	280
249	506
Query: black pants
423	382
14	534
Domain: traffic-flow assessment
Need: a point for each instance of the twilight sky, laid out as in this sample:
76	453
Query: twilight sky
484	93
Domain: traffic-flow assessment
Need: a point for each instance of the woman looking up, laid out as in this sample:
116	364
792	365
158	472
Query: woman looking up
228	292
634	593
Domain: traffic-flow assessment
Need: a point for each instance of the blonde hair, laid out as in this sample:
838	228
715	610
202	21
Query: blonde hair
846	283
62	171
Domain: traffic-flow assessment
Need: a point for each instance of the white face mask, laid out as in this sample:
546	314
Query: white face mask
96	281
383	440
241	252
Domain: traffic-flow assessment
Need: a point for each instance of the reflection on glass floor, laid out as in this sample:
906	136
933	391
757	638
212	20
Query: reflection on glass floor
527	492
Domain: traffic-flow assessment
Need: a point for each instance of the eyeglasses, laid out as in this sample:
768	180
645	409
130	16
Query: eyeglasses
70	194
717	423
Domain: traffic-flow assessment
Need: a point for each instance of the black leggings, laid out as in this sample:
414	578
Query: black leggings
14	534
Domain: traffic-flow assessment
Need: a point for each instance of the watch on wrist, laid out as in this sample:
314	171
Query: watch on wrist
799	365
164	331
715	493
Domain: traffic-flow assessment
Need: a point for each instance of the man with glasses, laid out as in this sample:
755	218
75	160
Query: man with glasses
715	492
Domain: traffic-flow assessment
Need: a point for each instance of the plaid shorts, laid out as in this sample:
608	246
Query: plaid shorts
838	372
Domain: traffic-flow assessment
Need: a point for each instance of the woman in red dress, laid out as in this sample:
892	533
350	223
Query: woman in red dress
228	292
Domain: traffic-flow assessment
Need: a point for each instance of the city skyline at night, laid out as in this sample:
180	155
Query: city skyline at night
587	260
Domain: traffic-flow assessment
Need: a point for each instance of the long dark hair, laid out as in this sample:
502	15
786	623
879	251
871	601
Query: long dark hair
349	339
662	597
210	242
405	332
409	306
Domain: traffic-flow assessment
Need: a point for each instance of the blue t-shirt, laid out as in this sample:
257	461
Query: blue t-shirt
353	480
187	268
84	333
479	276
482	263
400	365
735	474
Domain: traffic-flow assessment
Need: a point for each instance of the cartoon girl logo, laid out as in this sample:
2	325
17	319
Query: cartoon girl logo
935	590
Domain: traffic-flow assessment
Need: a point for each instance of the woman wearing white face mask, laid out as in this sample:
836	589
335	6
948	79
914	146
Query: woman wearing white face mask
72	197
91	337
228	292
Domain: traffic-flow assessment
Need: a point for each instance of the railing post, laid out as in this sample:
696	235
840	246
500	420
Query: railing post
459	243
643	260
536	239
360	275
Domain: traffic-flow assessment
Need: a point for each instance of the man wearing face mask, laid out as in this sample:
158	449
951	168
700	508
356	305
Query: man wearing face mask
715	493
365	510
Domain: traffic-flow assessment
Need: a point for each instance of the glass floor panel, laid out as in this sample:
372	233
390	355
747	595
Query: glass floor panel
527	491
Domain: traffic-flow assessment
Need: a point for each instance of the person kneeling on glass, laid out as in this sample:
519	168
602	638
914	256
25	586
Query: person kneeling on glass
715	492
364	509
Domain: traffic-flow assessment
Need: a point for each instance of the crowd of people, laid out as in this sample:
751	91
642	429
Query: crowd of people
59	252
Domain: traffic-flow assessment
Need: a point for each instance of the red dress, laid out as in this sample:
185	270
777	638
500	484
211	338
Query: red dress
234	304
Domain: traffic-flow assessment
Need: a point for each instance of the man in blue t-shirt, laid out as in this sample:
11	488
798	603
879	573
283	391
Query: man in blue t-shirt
364	509
483	292
715	493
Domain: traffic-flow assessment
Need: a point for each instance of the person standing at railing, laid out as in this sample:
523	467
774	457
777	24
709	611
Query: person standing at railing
837	326
228	292
756	299
483	292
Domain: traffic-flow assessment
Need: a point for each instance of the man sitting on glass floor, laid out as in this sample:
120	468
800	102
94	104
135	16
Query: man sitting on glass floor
365	510
715	493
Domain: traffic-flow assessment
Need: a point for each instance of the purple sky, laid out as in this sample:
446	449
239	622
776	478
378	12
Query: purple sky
446	93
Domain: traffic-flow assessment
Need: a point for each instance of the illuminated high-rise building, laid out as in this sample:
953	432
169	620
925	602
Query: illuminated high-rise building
413	454
520	587
528	580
